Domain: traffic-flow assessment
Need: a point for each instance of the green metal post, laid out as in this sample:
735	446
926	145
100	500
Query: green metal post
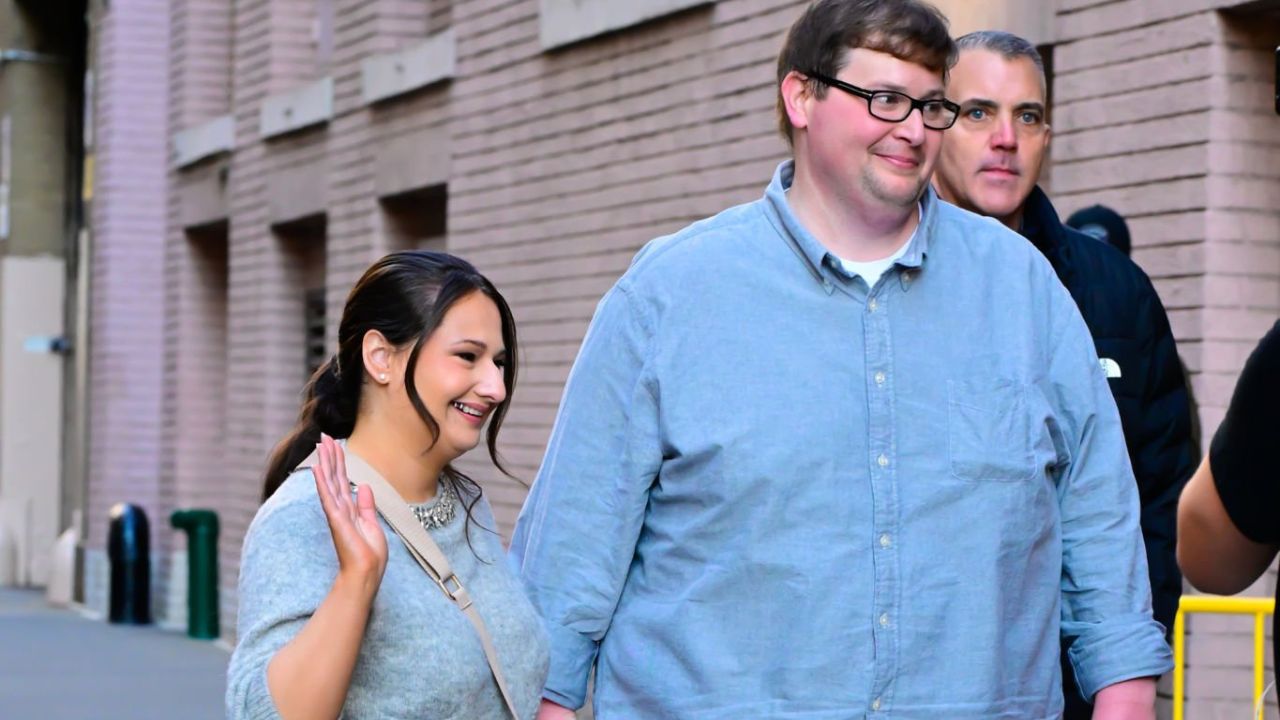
201	527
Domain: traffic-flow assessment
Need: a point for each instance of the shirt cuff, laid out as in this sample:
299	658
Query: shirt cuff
572	655
1122	648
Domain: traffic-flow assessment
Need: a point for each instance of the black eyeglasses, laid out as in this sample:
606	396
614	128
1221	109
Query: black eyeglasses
890	106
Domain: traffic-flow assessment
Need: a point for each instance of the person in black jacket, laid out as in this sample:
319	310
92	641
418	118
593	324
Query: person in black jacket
1102	223
990	164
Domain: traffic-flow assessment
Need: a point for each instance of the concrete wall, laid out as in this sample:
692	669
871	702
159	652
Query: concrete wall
31	292
33	198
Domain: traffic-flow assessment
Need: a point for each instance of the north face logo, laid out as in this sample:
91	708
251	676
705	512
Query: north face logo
1110	367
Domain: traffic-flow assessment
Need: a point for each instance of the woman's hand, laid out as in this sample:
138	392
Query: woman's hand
357	536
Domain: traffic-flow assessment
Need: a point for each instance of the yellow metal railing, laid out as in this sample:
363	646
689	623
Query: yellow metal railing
1259	608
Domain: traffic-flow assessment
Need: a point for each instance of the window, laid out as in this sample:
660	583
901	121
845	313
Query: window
564	22
313	324
417	219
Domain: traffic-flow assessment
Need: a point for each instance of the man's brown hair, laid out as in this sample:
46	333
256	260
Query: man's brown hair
820	41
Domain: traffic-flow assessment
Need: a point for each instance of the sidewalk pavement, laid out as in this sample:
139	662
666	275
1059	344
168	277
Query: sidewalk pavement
56	664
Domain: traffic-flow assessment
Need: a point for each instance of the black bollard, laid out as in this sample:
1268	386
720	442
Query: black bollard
129	550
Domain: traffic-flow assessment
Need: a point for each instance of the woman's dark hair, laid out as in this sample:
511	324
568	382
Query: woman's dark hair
404	296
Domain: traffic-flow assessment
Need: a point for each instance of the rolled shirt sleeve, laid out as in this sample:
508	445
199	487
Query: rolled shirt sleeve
1106	594
576	535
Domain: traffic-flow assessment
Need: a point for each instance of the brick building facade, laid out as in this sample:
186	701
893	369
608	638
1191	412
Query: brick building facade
254	157
1164	111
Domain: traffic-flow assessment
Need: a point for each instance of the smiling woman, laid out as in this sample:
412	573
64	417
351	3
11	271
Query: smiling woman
419	330
334	620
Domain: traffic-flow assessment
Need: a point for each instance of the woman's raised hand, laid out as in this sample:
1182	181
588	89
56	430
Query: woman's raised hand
357	535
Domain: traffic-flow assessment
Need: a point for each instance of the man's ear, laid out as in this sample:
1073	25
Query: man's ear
379	357
797	98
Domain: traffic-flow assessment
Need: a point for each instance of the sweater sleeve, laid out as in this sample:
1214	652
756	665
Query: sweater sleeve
287	567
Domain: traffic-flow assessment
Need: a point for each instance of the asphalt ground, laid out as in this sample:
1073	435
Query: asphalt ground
58	664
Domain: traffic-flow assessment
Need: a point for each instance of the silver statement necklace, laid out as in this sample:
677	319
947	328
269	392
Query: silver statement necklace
439	511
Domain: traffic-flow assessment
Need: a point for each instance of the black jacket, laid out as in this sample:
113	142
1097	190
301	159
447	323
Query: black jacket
1130	328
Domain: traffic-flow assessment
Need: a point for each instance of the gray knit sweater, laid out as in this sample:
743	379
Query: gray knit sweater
420	657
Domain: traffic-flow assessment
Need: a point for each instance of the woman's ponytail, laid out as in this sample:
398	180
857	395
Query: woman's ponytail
330	401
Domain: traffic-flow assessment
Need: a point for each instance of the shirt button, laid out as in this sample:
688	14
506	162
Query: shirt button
880	378
882	461
885	541
875	704
872	304
884	619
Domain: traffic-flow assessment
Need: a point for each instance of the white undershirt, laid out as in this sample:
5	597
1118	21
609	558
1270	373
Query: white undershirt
871	270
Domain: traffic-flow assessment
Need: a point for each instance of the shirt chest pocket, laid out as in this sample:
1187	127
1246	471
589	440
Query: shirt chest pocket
989	431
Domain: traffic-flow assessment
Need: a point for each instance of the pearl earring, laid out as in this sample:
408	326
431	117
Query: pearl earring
382	377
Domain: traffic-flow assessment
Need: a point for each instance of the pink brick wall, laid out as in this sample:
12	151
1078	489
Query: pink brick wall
126	302
292	49
566	163
200	70
127	299
200	62
563	165
1163	111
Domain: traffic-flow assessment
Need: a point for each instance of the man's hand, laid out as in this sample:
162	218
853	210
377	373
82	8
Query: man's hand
551	711
1129	700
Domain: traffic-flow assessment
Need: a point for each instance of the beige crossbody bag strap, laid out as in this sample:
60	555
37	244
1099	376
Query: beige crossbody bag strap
396	512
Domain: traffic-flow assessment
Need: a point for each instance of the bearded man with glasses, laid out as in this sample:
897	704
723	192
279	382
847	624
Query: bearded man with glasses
844	451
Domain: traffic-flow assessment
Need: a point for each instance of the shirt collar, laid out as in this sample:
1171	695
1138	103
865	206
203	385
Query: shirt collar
814	254
1039	221
1040	225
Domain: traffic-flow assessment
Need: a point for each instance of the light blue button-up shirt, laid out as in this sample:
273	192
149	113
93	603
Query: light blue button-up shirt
774	492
